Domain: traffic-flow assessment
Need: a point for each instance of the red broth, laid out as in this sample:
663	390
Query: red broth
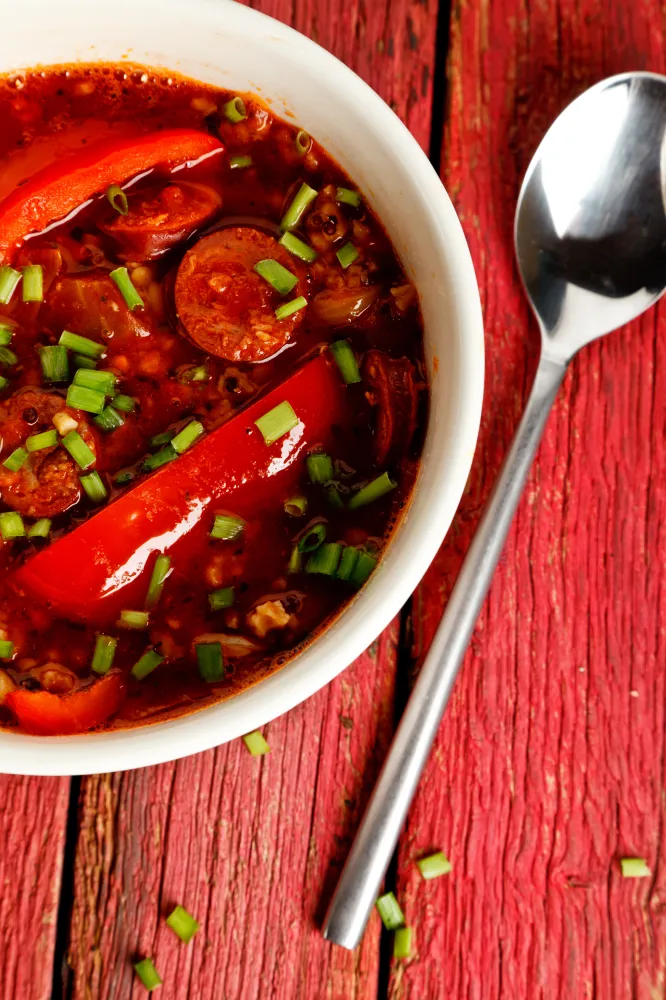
199	339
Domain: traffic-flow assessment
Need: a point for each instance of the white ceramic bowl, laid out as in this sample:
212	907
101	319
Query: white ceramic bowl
232	46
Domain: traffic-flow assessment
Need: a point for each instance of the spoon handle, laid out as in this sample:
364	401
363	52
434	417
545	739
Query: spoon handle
377	836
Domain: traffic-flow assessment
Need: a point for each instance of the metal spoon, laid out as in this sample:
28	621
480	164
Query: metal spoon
590	238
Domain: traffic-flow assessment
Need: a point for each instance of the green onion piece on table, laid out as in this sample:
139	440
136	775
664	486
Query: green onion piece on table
14	461
365	564
295	506
240	162
133	619
162	438
105	650
210	661
94	487
390	912
312	538
226	527
277	422
379	487
434	865
277	276
78	449
347	255
295	564
635	868
6	649
186	438
11	525
182	924
320	468
146	664
100	381
32	288
303	197
81	361
7	357
108	420
302	142
288	308
162	457
221	598
234	110
256	743
297	247
117	199
124	403
55	366
348	562
161	570
346	360
147	973
9	279
345	196
325	559
402	942
40	529
80	398
122	280
82	345
45	439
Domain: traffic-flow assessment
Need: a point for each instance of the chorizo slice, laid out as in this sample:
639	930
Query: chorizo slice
226	308
48	481
394	393
158	219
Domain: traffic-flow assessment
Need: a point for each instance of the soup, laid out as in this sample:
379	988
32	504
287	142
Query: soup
212	395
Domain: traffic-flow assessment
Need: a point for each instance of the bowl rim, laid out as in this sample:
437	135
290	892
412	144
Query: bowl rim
281	691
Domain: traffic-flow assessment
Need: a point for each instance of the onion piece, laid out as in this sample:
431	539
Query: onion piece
232	645
338	307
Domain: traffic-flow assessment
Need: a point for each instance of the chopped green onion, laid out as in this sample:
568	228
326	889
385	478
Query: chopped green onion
303	197
365	564
46	439
9	279
146	664
256	743
124	283
333	496
390	912
78	449
295	564
234	110
117	199
295	506
634	868
55	366
434	865
240	162
133	619
210	661
320	468
147	973
277	422
81	361
109	419
167	454
344	355
379	487
6	649
186	438
325	559
297	247
222	598
11	525
40	529
226	527
277	276
105	650
312	538
6	334
197	374
303	141
182	924
288	308
161	570
82	345
347	255
7	357
123	478
402	942
33	283
14	461
80	398
124	403
159	439
4	382
94	487
345	196
100	381
347	563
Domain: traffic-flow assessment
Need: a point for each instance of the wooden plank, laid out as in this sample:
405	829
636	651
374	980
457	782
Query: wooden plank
550	763
33	816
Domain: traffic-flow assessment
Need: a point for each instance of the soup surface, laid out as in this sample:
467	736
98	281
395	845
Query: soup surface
212	396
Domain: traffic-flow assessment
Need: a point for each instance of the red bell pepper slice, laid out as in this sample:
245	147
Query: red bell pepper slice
98	568
46	714
55	191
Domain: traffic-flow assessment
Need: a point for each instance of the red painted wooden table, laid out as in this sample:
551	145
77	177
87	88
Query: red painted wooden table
550	763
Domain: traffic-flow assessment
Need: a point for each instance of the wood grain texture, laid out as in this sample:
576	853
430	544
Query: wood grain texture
550	763
33	815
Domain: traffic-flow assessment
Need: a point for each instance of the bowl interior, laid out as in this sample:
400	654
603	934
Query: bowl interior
231	46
